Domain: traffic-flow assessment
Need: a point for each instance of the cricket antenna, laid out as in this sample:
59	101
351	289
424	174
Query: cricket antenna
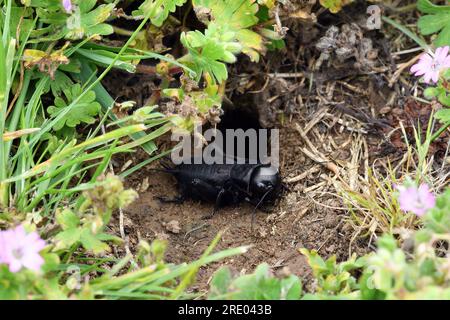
257	206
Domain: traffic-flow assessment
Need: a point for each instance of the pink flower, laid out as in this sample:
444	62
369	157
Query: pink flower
416	200
19	249
67	4
430	65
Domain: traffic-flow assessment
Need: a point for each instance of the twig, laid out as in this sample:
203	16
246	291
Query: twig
325	205
263	87
146	69
400	68
287	75
353	88
399	53
315	155
119	13
314	187
195	229
278	27
316	117
303	175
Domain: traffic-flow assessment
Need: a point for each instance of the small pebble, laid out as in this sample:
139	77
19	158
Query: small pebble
173	226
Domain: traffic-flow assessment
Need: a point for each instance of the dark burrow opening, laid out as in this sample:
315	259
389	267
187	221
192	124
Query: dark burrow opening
256	139
235	117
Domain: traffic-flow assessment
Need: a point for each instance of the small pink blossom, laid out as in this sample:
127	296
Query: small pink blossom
416	200
20	249
67	4
430	65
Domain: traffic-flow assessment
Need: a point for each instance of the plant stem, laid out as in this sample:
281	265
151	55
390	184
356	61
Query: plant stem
440	131
421	42
122	32
404	9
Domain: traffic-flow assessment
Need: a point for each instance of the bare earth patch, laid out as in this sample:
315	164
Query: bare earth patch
299	220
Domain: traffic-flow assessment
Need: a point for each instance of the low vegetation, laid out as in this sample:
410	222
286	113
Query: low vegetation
60	130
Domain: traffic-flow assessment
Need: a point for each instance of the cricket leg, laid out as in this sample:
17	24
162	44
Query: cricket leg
217	204
177	199
261	201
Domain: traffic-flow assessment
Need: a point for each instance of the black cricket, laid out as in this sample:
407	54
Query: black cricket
226	184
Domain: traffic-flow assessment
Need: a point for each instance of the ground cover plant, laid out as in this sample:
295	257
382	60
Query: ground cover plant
91	90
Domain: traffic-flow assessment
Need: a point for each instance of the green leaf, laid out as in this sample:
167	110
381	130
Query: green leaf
317	264
444	98
367	290
252	43
220	283
83	112
237	16
87	5
431	92
109	238
86	24
58	84
67	238
47	4
67	219
437	219
227	35
260	285
334	5
73	66
446	74
427	6
437	20
86	20
206	55
19	15
105	58
96	16
387	242
291	288
276	45
101	29
91	243
160	12
427	267
51	262
422	236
